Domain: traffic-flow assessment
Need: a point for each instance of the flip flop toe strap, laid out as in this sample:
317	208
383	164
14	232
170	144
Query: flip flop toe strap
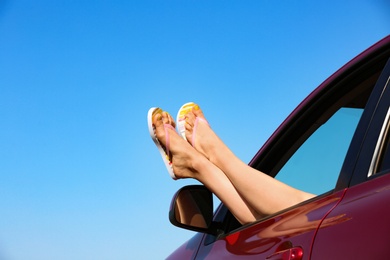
195	128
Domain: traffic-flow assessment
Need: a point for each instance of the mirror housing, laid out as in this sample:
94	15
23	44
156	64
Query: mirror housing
192	208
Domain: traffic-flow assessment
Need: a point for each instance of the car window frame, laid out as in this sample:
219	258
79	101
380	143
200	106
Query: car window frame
367	153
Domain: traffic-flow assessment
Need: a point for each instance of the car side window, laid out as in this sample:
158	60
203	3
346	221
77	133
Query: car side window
316	165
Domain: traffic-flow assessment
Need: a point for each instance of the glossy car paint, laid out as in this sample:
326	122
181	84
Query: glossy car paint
270	238
350	222
189	249
365	212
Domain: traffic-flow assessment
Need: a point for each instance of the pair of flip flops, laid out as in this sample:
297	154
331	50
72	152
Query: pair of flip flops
180	122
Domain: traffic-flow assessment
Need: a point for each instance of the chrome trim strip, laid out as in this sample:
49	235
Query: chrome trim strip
379	146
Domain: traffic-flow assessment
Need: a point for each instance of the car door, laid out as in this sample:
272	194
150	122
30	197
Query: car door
282	236
364	232
345	102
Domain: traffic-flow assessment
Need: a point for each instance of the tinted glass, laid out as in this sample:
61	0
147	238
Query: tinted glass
316	165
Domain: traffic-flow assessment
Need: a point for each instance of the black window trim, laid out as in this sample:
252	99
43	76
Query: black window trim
379	110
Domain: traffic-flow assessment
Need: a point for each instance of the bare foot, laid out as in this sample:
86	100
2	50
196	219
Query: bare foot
185	159
203	138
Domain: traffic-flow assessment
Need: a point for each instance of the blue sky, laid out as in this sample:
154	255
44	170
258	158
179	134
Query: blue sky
80	177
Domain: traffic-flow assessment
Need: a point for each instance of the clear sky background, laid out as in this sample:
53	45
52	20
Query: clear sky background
80	177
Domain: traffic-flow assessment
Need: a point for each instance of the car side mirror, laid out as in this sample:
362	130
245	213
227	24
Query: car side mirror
192	208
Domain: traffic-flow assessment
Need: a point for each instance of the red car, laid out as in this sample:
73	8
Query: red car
336	141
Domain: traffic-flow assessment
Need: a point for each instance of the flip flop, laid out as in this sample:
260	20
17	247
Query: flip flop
181	121
164	152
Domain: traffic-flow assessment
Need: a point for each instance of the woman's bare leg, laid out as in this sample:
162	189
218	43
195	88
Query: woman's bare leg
189	163
263	193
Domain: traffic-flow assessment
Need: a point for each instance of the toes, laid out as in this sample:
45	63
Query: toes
171	120
159	126
165	117
157	120
189	132
168	119
163	122
190	119
189	128
197	111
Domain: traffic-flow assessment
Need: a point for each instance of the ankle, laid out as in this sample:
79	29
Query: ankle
199	165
